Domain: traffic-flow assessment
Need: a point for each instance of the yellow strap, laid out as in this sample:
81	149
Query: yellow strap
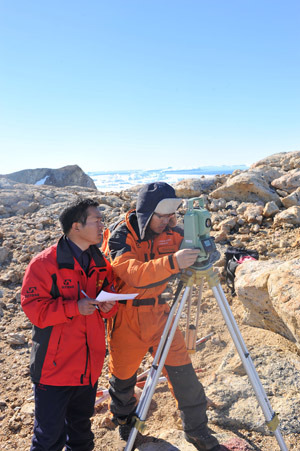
139	424
274	423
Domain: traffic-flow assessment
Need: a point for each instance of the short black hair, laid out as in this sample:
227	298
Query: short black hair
76	212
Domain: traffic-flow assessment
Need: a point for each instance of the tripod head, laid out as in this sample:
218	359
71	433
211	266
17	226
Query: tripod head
197	226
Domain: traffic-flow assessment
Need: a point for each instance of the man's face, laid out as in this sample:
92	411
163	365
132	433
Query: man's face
158	223
90	232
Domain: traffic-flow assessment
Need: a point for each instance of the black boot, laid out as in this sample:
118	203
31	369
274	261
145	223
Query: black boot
203	441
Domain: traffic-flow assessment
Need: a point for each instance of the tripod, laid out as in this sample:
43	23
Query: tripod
190	277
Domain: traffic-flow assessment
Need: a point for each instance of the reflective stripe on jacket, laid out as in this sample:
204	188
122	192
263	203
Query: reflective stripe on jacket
67	348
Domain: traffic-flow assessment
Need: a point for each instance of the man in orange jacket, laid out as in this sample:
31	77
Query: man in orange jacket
144	251
68	342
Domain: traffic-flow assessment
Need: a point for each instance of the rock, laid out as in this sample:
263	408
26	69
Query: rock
269	292
12	275
289	216
288	182
23	206
217	204
221	236
66	176
14	424
292	200
270	209
253	214
28	409
245	187
284	160
227	224
193	187
3	404
4	253
15	339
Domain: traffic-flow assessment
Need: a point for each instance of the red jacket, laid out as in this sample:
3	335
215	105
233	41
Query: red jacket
67	348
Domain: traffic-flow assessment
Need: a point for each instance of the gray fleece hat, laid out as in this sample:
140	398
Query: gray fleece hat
158	197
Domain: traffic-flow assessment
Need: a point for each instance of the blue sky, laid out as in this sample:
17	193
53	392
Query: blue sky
145	84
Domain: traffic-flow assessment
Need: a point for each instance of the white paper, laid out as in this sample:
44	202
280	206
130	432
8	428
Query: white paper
104	296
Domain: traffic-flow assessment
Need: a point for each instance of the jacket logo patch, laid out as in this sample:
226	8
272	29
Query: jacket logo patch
31	292
67	284
167	241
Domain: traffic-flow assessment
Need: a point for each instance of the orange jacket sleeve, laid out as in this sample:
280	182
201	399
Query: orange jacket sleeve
139	274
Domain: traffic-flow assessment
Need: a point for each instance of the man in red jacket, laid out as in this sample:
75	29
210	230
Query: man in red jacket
59	293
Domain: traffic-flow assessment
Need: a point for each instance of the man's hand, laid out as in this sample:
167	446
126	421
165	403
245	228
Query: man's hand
86	306
186	257
106	306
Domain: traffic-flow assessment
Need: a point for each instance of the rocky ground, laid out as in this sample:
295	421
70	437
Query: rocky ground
29	224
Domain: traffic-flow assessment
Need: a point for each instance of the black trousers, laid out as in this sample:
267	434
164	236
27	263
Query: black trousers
187	389
62	418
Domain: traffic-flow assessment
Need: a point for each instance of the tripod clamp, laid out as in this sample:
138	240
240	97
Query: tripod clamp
191	276
273	423
138	424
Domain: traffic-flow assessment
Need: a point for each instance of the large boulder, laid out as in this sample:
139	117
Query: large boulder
188	188
292	200
284	160
288	182
71	175
269	291
249	186
289	216
264	181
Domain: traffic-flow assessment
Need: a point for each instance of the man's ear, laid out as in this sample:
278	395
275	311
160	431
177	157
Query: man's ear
76	226
173	221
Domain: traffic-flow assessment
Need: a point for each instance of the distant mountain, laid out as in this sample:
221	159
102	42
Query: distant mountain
71	175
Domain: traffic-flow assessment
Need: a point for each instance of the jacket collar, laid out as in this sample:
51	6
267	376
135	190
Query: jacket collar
65	258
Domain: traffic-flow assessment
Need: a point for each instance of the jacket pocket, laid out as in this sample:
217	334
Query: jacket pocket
167	249
54	344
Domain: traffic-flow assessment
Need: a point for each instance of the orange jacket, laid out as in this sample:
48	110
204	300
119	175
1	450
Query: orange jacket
142	266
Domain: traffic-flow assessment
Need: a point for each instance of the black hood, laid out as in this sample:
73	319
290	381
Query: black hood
148	199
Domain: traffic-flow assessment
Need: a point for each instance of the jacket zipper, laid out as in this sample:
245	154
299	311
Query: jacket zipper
152	255
54	362
86	363
78	291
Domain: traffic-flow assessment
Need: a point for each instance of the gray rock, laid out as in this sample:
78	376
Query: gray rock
4	253
66	176
15	339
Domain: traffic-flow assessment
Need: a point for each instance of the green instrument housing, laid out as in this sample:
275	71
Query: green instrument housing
197	227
